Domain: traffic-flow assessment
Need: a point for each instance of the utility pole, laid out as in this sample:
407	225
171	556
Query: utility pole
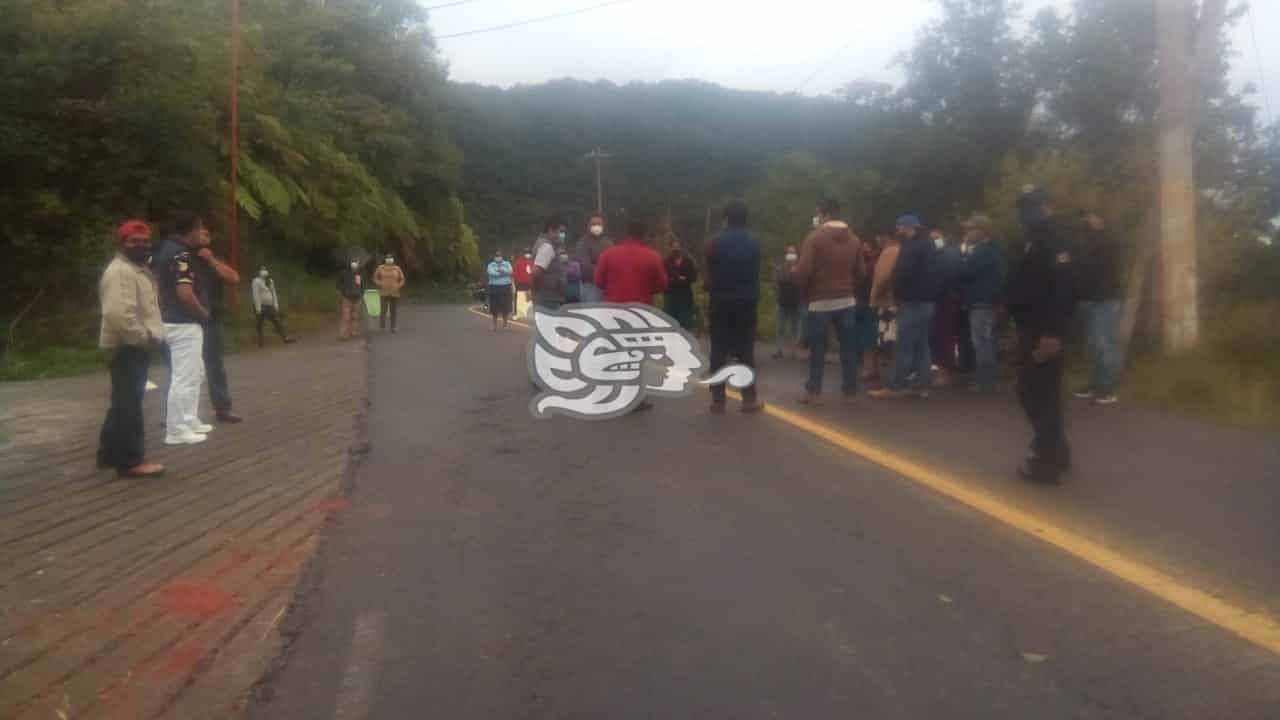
1179	301
233	219
599	156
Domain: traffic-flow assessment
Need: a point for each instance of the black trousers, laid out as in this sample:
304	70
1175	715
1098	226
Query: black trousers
1040	392
214	369
268	312
389	305
120	444
733	335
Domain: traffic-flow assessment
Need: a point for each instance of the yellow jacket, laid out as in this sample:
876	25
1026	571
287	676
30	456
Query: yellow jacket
389	279
130	306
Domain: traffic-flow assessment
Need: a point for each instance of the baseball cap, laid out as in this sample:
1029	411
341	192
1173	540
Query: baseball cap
909	221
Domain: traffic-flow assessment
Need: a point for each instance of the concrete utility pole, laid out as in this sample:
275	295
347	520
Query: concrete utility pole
233	219
1180	301
599	156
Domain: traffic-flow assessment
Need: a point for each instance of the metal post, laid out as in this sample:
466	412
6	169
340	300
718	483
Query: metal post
233	226
598	156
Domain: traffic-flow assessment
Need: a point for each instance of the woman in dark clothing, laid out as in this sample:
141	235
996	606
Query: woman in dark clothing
682	273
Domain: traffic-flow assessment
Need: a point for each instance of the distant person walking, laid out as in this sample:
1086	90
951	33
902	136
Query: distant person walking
786	290
980	278
1041	295
184	303
266	304
500	296
214	275
733	287
682	273
832	265
351	293
631	271
549	280
390	280
131	326
916	282
523	279
587	253
1099	290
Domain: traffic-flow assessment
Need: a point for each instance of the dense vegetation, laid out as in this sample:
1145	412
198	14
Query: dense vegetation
353	139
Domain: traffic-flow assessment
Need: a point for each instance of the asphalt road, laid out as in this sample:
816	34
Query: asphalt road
673	564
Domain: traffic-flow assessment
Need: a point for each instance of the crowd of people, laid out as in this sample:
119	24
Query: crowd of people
922	307
166	295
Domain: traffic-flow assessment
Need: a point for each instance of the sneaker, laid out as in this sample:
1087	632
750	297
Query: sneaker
717	408
753	406
229	418
1037	472
920	394
1106	399
886	394
202	428
187	438
811	399
1084	394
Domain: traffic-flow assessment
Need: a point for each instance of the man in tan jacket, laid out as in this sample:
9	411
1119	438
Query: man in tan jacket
831	268
131	325
389	278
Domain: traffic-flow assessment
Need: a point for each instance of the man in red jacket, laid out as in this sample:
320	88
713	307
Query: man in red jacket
522	276
631	272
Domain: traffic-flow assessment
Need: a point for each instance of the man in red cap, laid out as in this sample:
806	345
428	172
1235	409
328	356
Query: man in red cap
131	325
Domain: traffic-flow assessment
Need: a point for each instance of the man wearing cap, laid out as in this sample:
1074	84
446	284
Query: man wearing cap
131	325
1041	297
184	303
983	290
916	284
390	279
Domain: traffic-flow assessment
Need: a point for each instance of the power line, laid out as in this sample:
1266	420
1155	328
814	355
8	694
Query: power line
449	5
531	21
1262	77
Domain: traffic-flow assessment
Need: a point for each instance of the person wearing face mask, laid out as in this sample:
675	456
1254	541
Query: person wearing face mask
351	290
944	340
590	247
499	272
547	279
682	274
522	277
390	279
131	326
266	305
787	292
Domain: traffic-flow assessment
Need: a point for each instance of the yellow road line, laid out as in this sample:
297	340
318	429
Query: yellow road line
1257	628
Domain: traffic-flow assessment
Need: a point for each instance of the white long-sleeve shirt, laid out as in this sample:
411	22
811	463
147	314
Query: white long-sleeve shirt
264	293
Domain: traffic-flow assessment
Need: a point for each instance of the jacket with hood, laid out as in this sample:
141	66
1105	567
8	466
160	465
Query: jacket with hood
918	275
832	264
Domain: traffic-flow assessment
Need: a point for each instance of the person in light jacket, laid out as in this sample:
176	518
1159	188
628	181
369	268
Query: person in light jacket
266	304
389	278
131	326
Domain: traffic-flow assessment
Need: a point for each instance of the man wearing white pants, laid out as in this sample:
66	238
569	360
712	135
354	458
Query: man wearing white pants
184	309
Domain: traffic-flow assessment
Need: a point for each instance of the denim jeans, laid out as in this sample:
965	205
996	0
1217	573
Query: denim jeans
1100	319
845	322
986	346
787	333
590	293
911	352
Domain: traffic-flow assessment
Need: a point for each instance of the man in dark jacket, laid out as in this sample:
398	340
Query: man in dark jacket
682	273
831	268
981	281
351	289
733	282
587	253
1098	288
916	281
1041	297
787	328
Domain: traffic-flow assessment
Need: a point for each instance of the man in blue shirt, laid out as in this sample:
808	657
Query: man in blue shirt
733	282
184	303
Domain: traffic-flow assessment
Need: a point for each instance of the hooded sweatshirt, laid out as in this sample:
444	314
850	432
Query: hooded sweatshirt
832	263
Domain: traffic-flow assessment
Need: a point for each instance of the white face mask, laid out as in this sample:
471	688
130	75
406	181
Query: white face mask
564	257
497	258
597	230
391	261
263	273
528	256
355	266
938	242
792	257
817	221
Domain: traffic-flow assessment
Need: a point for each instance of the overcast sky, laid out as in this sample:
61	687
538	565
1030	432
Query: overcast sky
810	46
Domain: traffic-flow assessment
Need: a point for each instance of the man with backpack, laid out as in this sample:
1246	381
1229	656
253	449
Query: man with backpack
917	280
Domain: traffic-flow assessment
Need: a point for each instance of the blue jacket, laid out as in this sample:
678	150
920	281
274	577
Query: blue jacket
918	277
980	275
733	267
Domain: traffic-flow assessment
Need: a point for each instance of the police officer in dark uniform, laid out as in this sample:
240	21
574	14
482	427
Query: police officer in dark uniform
1041	298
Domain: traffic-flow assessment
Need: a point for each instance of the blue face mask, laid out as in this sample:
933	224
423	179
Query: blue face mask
562	236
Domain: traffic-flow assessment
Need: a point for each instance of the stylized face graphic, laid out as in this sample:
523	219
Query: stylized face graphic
597	361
